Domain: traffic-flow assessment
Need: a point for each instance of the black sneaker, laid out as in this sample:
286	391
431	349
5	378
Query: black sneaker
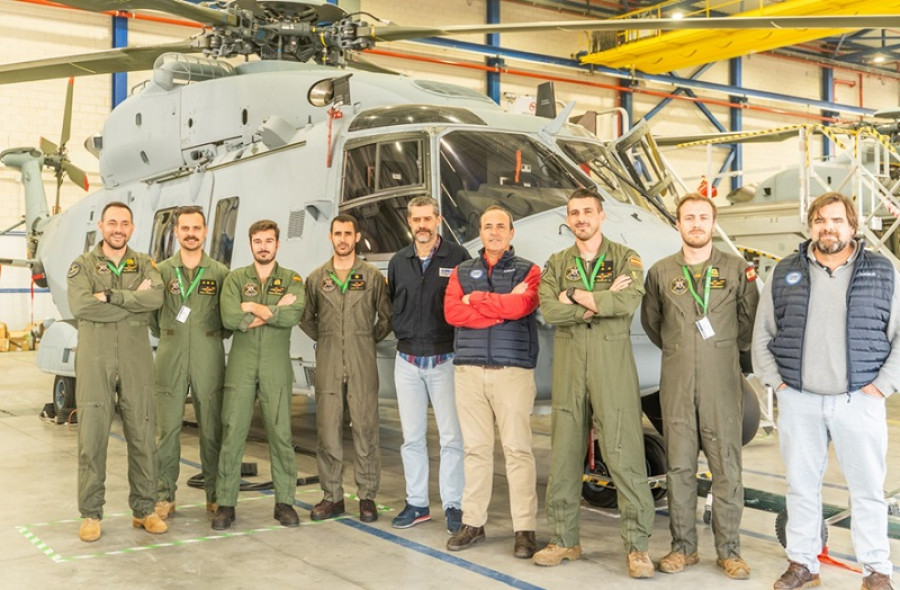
411	516
454	519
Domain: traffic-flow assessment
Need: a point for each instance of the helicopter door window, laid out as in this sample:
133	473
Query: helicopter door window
384	166
223	230
383	226
90	240
162	238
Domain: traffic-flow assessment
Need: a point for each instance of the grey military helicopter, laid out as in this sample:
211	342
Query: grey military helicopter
298	137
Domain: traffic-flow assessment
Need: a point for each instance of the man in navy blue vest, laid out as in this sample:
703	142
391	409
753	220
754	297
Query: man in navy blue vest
827	338
492	300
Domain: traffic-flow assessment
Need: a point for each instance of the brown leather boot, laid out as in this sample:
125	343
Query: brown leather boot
735	567
675	561
554	554
465	537
89	531
525	544
876	581
639	565
796	576
327	509
164	509
150	523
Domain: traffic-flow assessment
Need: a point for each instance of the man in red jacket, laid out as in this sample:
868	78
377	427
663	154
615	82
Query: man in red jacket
492	300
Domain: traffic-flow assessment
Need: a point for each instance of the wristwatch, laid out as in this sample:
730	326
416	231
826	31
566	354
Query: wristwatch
108	294
570	293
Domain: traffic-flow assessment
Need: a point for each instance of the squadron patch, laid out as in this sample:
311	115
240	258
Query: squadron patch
130	265
572	273
73	270
208	287
357	282
102	268
328	284
750	273
174	288
678	286
250	290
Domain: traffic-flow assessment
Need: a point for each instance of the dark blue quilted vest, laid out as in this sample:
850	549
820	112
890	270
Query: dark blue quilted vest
513	343
868	312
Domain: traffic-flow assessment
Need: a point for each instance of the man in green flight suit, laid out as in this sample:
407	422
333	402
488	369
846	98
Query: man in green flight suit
112	292
260	304
590	292
190	355
699	309
347	312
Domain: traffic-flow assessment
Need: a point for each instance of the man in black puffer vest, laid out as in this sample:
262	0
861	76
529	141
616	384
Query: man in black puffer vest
492	299
827	338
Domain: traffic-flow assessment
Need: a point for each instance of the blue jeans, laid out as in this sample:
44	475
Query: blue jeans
857	425
415	387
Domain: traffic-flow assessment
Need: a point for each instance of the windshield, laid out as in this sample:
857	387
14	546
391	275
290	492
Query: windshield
479	169
605	169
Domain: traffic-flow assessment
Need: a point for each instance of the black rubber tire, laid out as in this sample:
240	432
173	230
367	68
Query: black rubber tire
655	456
63	397
750	422
652	408
781	529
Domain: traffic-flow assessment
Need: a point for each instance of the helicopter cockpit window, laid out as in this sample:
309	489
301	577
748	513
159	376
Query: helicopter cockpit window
383	166
162	238
479	169
223	230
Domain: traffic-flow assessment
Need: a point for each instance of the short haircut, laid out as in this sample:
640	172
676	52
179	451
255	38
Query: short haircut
586	193
116	204
189	210
345	218
695	197
827	199
496	208
264	225
422	201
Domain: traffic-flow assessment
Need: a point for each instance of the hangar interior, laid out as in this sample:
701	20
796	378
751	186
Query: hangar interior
816	106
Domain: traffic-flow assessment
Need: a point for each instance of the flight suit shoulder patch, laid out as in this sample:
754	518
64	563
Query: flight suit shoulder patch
296	279
73	270
750	273
208	287
636	262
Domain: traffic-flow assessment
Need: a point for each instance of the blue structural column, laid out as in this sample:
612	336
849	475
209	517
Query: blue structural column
119	79
736	119
493	39
827	96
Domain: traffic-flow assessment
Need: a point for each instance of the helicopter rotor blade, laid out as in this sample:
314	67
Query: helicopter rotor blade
67	115
48	147
76	175
126	59
875	21
179	8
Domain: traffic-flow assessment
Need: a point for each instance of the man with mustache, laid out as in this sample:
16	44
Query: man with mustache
827	339
347	313
260	303
590	292
699	308
112	292
423	371
190	356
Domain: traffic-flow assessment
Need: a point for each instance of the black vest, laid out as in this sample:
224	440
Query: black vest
514	343
868	312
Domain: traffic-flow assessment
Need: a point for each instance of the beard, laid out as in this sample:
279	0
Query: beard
833	248
696	240
263	257
424	236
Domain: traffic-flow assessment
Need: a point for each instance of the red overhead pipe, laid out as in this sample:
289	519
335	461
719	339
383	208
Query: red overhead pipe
123	14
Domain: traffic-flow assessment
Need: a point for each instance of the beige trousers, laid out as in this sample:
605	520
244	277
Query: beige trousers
505	395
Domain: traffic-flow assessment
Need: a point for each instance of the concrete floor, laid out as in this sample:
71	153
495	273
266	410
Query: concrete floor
39	521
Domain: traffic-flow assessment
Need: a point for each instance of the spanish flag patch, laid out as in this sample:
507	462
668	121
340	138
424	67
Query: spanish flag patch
635	262
750	273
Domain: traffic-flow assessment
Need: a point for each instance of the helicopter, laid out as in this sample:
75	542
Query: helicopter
299	138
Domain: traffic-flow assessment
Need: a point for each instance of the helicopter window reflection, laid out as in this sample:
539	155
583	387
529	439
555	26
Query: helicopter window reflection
162	238
223	230
90	240
480	169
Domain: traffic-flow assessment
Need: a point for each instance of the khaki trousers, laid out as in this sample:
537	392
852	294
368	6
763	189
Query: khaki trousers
505	395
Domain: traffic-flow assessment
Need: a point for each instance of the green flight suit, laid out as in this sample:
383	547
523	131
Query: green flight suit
594	373
259	362
346	325
114	368
700	388
190	355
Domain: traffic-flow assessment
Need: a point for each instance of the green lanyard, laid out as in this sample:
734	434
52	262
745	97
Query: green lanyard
338	281
185	294
589	284
704	303
116	270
